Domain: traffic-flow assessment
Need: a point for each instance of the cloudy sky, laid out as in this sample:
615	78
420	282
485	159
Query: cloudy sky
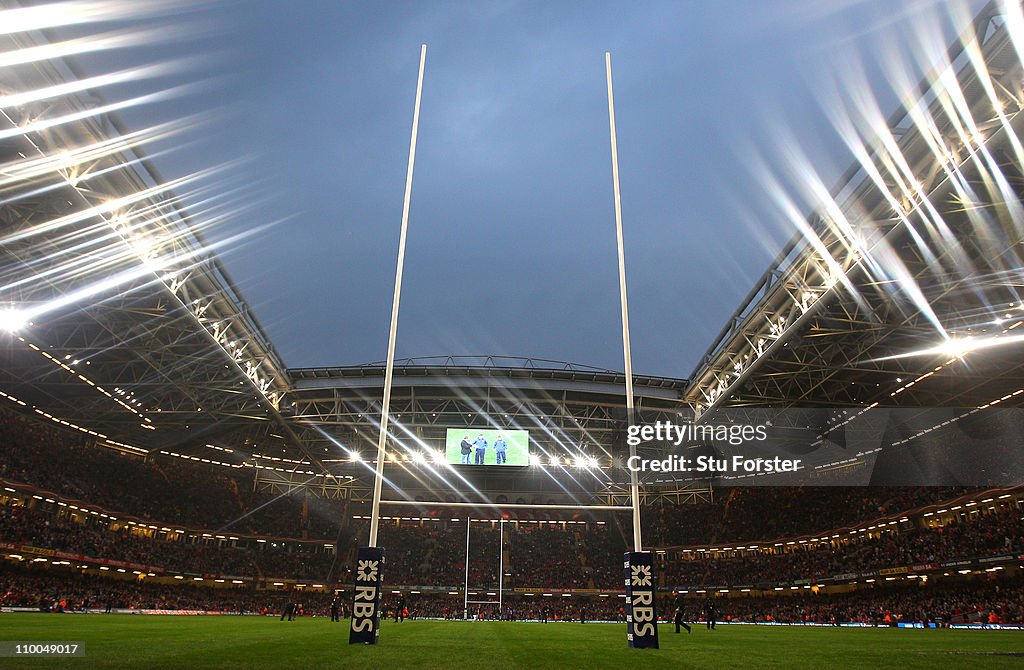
512	237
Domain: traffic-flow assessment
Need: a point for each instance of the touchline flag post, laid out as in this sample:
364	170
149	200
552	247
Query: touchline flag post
365	628
641	620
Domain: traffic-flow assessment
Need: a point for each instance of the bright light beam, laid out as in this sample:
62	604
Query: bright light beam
959	347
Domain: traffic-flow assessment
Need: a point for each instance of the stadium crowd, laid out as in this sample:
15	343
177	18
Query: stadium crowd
994	532
978	601
738	515
553	555
20	525
47	589
974	601
63	462
533	555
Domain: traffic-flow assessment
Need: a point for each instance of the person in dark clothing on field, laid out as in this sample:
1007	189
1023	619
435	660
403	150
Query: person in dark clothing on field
680	618
710	613
289	611
335	606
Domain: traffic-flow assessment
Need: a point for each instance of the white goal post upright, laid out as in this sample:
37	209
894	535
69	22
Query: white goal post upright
634	485
368	575
501	565
390	366
501	572
465	591
640	580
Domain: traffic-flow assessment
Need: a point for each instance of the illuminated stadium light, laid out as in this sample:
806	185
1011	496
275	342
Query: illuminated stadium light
145	245
75	12
12	320
958	347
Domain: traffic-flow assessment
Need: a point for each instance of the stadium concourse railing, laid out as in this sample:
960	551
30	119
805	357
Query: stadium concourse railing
962	504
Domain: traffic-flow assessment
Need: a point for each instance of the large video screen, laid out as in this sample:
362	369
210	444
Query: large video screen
487	447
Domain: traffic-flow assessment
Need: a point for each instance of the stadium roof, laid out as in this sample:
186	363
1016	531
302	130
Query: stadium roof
123	322
121	319
913	261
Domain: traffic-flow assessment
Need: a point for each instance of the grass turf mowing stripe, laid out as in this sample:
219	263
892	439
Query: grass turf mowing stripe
123	641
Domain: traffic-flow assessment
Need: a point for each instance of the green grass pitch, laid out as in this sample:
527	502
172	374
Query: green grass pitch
124	641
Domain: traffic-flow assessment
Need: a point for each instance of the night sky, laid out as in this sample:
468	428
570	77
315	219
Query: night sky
511	245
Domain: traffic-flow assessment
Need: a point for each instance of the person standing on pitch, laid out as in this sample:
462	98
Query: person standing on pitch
499	450
481	448
710	613
335	604
289	611
465	449
680	618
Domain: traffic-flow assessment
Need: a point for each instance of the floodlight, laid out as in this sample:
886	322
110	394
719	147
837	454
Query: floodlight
12	320
958	347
